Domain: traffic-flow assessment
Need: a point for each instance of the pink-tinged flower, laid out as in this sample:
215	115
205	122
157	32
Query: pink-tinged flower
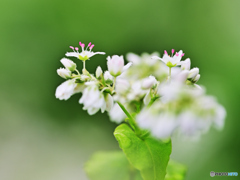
116	65
171	61
85	54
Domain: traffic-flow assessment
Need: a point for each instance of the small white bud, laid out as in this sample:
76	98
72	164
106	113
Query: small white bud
185	65
99	72
193	73
196	78
115	65
148	82
68	64
108	76
64	73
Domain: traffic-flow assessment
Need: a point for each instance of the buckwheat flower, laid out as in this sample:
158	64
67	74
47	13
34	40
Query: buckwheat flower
116	114
171	61
193	73
68	64
122	86
99	72
116	65
185	65
85	54
148	82
164	127
108	103
64	73
93	100
66	89
108	76
144	58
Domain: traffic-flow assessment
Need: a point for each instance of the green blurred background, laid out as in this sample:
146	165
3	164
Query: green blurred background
44	138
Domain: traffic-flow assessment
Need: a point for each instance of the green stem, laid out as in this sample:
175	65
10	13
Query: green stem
114	82
84	65
131	120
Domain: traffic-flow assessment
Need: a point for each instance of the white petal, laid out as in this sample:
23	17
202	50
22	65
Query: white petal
72	54
127	66
109	102
147	98
133	58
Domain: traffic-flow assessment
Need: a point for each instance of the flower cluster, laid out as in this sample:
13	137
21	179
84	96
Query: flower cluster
153	93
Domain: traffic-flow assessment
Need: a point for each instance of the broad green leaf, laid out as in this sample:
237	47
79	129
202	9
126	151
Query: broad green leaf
148	155
111	166
175	171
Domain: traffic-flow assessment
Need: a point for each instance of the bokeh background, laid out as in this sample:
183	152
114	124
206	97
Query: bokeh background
42	138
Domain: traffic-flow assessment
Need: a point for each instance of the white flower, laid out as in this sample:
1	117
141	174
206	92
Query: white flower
66	89
164	127
93	99
116	114
64	73
148	82
171	61
122	86
193	73
99	72
219	117
185	65
197	77
116	65
85	54
68	64
144	58
108	76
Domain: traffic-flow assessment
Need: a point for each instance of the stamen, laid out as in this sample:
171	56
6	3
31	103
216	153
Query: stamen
71	47
177	54
80	44
182	54
76	48
91	46
165	52
173	51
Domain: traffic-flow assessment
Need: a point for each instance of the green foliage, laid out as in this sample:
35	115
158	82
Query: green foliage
175	171
148	155
114	165
109	166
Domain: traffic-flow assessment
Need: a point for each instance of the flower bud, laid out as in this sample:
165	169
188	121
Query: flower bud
108	76
185	65
148	82
115	65
193	73
99	72
196	78
64	73
68	64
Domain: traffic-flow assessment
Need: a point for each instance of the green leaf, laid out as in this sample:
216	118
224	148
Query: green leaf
175	171
149	156
111	166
